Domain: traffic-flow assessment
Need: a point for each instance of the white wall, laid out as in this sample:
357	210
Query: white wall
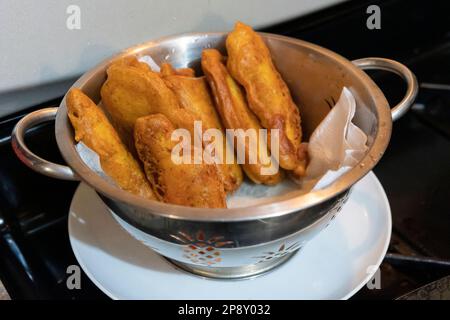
40	56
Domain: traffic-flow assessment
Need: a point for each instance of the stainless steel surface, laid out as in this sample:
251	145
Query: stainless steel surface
313	74
239	237
390	65
27	156
233	273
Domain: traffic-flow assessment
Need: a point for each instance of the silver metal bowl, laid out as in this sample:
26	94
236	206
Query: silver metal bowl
236	242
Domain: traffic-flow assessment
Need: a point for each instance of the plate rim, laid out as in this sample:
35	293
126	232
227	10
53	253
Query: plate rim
371	174
386	243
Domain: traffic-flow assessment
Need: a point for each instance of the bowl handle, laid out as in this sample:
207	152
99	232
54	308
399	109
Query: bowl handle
29	158
390	65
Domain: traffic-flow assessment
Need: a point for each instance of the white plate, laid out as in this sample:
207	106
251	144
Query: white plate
334	265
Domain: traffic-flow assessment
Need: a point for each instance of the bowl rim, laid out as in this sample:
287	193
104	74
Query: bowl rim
66	144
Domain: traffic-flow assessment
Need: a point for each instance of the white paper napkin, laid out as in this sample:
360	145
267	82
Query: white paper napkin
335	146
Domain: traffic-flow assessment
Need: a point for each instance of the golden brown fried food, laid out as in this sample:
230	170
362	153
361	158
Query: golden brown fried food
132	61
132	90
250	63
195	185
94	130
168	70
187	72
234	112
193	95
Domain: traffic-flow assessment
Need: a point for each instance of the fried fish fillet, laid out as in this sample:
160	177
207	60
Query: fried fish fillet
94	130
235	113
132	90
250	63
194	96
195	185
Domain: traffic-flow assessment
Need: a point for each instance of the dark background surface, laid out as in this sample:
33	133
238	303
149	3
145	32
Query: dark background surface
415	171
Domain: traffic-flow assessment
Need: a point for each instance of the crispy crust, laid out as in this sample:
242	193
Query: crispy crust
168	70
132	90
94	130
195	185
193	95
233	110
250	63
